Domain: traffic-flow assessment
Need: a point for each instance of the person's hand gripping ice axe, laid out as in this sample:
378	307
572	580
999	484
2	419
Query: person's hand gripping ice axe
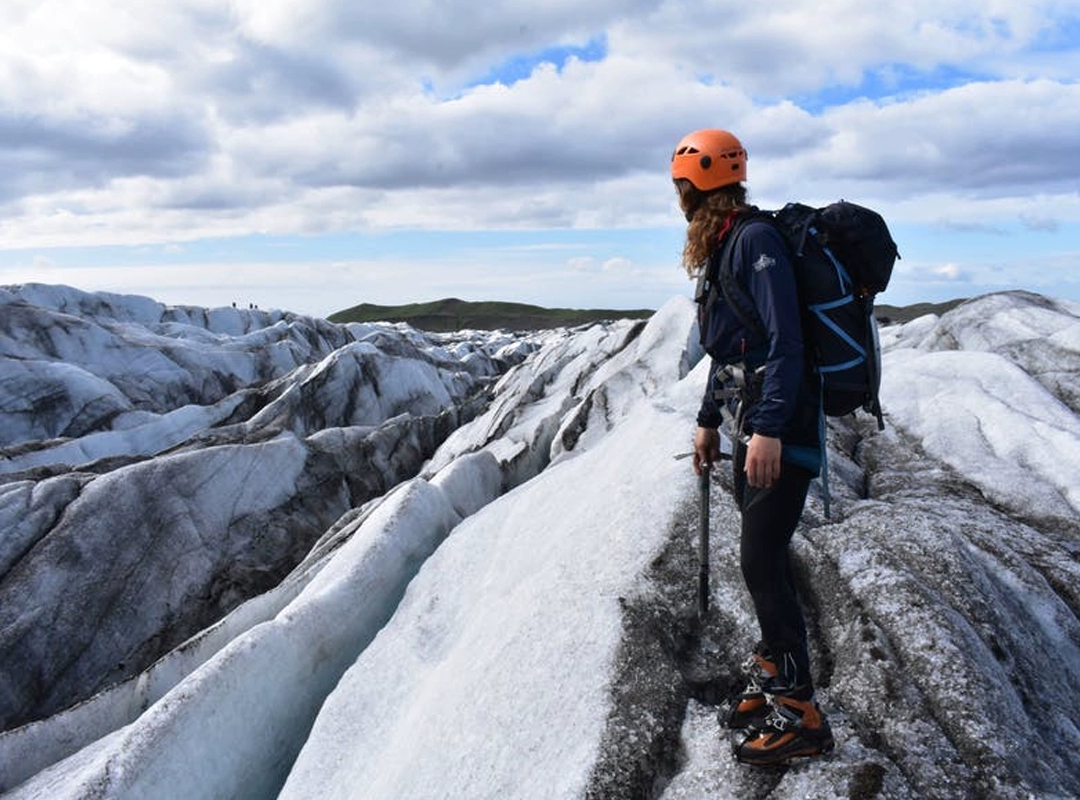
706	448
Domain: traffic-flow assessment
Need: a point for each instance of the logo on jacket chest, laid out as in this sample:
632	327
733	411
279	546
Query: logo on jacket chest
764	262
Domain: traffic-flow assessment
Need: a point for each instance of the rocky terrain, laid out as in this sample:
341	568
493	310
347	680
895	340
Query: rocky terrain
253	554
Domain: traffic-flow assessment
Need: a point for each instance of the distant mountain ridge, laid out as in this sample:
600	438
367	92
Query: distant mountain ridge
887	313
451	314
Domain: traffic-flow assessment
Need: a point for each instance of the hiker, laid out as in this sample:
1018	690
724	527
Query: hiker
765	394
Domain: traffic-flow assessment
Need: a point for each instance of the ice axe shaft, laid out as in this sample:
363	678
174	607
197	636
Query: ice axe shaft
703	545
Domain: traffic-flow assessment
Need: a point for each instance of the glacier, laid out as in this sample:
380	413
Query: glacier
252	554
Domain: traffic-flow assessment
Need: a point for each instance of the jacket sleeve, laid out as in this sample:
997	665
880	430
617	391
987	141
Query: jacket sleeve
763	264
709	415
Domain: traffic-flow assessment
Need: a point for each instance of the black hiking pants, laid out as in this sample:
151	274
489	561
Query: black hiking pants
769	518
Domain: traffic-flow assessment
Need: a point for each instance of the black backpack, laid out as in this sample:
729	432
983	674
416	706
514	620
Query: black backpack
842	255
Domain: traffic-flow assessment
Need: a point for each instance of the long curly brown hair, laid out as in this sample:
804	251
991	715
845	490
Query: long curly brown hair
705	212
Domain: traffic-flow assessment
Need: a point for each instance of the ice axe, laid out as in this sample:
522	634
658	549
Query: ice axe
703	545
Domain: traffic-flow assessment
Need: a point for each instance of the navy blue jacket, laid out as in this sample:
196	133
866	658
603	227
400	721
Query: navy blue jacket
789	403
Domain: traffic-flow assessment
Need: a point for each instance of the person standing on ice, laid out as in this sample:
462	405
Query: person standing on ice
764	392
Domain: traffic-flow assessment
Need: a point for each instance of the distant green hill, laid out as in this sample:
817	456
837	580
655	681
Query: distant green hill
907	313
452	314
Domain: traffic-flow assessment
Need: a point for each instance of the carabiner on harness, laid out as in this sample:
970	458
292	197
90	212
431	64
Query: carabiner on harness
736	384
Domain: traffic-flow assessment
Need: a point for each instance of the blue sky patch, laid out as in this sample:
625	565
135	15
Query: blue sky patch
521	66
1062	36
888	80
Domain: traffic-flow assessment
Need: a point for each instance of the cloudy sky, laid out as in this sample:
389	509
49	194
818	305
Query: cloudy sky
313	155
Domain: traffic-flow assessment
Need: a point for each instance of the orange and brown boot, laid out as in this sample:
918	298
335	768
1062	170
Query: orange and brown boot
795	729
750	708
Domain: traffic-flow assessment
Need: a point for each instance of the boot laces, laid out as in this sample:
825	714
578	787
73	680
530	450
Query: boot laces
757	676
782	717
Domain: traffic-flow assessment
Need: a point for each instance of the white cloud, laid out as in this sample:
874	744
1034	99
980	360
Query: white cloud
175	120
788	46
618	265
950	272
1039	223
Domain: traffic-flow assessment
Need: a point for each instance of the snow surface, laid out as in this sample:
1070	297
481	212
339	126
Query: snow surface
991	405
514	618
538	616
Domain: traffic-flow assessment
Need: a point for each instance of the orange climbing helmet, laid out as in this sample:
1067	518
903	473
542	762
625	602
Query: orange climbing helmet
709	159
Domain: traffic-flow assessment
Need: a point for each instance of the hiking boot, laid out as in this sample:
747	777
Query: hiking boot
794	729
750	708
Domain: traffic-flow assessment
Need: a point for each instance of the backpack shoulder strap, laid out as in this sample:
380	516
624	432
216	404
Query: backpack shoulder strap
722	275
